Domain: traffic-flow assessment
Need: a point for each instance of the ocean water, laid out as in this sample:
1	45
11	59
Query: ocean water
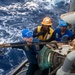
16	15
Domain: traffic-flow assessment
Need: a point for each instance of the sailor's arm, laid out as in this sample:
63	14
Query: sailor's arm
36	34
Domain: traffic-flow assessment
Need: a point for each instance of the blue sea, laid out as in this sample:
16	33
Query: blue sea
15	15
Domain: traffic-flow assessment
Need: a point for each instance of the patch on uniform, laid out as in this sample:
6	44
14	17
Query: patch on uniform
56	35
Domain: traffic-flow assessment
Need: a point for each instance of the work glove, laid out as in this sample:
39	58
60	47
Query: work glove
39	33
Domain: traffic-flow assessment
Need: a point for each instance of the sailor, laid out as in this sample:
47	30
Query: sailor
30	50
45	31
61	30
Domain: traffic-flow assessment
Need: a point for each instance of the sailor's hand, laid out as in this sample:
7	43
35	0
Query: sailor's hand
39	33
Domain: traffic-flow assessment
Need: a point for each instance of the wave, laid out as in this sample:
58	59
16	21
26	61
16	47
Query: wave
9	2
16	15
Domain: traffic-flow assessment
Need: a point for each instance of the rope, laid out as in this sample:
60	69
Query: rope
32	43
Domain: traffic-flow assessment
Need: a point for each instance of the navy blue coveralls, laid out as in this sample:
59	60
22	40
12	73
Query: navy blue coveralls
31	55
57	34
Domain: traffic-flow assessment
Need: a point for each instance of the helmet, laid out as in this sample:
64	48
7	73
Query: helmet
62	23
65	38
26	33
47	21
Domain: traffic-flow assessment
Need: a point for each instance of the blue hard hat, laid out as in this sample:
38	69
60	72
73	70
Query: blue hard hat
26	33
62	23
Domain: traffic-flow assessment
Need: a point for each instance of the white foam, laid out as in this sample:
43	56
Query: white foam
31	5
1	70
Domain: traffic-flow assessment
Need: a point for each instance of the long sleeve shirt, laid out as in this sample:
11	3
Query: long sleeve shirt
31	51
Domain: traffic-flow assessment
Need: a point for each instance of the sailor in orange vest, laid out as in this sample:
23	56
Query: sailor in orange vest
45	31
